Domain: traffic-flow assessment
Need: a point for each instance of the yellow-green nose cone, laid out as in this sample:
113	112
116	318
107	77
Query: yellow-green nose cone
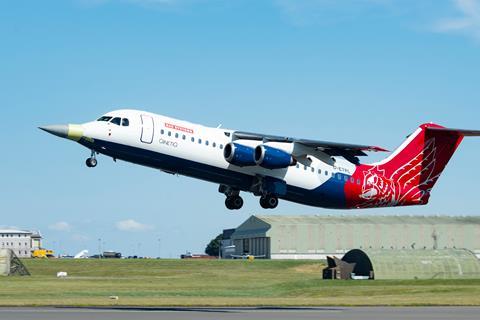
75	132
70	131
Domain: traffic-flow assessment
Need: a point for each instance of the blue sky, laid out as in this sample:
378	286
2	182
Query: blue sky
364	71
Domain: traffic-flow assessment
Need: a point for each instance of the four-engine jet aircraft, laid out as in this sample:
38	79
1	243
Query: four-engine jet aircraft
311	172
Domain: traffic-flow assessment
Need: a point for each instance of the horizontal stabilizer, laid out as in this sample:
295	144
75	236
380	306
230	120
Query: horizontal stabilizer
460	132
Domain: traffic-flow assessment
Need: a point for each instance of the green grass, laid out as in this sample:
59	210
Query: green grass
217	283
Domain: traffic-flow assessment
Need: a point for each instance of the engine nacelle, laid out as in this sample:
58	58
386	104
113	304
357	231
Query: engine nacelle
239	154
273	158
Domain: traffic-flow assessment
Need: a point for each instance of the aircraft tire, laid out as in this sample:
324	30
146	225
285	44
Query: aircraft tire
237	202
91	162
268	202
272	202
263	203
234	203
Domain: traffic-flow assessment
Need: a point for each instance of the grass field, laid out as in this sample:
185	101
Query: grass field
216	283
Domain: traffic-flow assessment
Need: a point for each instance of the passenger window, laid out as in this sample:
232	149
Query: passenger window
346	178
352	180
358	181
169	133
199	141
184	137
326	173
176	135
313	169
298	166
319	171
214	144
162	131
193	139
221	146
206	142
116	121
304	167
125	122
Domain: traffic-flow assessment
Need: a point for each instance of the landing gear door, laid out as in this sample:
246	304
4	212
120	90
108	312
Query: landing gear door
147	129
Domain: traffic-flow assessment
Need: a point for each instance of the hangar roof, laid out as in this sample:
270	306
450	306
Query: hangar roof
370	219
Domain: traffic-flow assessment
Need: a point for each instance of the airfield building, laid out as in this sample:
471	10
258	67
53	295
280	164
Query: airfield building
319	236
21	242
227	246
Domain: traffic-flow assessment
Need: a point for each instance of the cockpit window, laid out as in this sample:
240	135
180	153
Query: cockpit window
125	122
116	121
104	118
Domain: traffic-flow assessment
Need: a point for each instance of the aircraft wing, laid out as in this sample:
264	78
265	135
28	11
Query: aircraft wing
316	148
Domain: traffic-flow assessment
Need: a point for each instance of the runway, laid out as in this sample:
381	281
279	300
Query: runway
266	313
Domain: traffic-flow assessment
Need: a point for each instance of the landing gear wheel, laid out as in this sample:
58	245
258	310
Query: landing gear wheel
269	202
263	203
91	162
234	202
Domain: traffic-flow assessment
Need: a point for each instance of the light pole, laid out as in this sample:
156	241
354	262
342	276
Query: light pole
159	246
99	248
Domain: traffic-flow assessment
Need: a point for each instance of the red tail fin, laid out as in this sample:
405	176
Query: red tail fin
407	175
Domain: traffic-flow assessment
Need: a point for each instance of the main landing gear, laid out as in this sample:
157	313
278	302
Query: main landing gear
268	201
92	161
233	200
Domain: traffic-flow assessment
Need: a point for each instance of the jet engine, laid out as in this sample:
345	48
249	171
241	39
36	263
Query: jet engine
273	158
239	154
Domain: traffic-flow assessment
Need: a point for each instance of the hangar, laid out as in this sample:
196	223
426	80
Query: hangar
388	264
319	236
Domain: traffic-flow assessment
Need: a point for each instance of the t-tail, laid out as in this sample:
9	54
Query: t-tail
408	175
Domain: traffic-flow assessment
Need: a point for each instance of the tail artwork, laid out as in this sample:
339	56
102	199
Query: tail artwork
408	175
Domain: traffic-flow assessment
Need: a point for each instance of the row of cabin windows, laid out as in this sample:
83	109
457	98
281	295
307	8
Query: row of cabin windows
13	235
11	244
184	137
338	176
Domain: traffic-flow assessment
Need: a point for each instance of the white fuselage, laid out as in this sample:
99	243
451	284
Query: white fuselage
204	145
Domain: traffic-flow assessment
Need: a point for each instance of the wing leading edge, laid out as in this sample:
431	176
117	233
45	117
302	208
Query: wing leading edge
348	151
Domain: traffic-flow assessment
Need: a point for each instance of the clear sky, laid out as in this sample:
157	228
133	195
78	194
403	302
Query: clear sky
359	71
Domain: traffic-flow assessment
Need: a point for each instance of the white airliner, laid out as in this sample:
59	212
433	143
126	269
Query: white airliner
311	172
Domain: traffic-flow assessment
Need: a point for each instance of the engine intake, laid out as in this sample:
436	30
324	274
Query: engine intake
273	158
239	154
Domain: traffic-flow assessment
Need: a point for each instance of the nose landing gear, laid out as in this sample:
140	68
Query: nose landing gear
92	161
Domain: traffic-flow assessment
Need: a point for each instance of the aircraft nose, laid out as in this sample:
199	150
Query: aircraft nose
59	130
69	131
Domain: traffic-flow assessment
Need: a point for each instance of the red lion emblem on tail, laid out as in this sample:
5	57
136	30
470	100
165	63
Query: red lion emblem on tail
407	185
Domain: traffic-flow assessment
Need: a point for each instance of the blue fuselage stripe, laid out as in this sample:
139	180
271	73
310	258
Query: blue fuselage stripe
328	195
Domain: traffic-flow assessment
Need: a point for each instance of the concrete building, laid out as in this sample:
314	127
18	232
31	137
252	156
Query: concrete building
319	236
22	242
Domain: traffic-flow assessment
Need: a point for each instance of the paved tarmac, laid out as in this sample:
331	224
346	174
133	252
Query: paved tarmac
334	313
